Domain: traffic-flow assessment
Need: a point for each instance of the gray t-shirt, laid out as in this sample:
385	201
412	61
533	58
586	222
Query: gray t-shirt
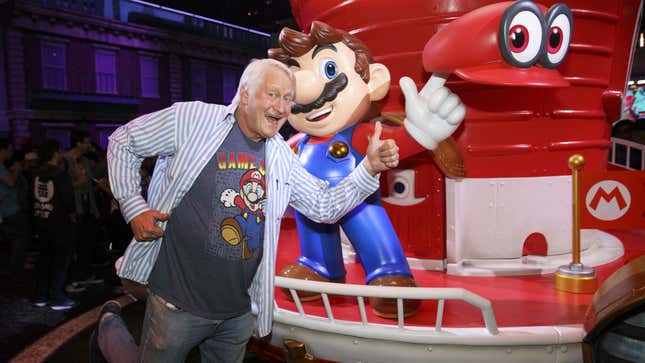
213	241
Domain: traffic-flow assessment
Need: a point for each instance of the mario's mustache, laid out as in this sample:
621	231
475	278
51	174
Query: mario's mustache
329	92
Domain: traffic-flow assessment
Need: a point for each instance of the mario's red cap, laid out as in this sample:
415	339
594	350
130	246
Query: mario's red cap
250	176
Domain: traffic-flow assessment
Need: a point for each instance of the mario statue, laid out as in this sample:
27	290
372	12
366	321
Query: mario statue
247	226
337	82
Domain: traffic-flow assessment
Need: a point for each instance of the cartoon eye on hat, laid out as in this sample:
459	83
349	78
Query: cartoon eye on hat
510	43
559	25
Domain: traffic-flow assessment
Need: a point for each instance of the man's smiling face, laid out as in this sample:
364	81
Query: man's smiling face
265	108
330	95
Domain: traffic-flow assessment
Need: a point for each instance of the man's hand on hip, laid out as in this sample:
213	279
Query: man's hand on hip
144	226
381	155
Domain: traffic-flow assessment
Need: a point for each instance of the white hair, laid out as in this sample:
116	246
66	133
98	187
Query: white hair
252	75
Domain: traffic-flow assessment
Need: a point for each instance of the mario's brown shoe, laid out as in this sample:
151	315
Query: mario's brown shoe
302	272
386	308
246	251
231	231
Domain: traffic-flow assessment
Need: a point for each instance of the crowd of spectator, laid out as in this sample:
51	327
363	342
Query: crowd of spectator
57	204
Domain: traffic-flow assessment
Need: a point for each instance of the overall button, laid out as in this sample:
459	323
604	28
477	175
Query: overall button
338	149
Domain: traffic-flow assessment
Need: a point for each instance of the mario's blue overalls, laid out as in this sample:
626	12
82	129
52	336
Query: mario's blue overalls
367	226
252	224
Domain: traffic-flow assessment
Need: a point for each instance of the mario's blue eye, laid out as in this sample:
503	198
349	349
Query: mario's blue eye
329	69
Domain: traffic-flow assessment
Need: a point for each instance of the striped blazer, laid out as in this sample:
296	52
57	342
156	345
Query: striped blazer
185	136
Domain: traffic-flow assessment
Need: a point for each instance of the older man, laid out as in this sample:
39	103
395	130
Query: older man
214	263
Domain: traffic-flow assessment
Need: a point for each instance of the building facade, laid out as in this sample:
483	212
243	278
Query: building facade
95	64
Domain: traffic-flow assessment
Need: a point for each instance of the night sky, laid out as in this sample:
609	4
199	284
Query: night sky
265	15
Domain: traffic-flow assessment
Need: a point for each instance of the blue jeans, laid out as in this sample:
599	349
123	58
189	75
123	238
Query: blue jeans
170	333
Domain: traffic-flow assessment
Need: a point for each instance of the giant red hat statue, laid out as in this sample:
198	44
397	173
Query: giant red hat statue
541	81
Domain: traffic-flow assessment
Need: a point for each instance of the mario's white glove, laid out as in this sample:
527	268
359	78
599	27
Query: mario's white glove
433	114
228	197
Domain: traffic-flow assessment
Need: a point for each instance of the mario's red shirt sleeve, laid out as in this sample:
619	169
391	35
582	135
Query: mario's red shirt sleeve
239	202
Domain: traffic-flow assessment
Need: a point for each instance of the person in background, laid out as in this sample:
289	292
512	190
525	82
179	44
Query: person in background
77	166
102	198
14	222
53	213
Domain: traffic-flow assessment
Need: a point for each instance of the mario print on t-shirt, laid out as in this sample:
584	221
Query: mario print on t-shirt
248	226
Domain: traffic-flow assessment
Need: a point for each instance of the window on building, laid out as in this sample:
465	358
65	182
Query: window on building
105	67
198	80
149	76
54	65
229	84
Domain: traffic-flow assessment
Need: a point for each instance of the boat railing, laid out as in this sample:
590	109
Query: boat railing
627	154
360	292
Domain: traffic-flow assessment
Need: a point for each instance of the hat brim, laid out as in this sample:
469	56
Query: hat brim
504	75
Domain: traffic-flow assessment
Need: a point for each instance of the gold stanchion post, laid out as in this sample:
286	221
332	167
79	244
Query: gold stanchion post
575	277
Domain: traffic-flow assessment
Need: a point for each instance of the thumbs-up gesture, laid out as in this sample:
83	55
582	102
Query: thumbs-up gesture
433	114
381	155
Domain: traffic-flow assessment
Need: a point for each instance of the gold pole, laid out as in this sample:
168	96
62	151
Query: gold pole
576	277
576	162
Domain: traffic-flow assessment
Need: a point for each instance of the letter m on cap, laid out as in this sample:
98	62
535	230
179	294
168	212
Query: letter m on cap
613	194
612	199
